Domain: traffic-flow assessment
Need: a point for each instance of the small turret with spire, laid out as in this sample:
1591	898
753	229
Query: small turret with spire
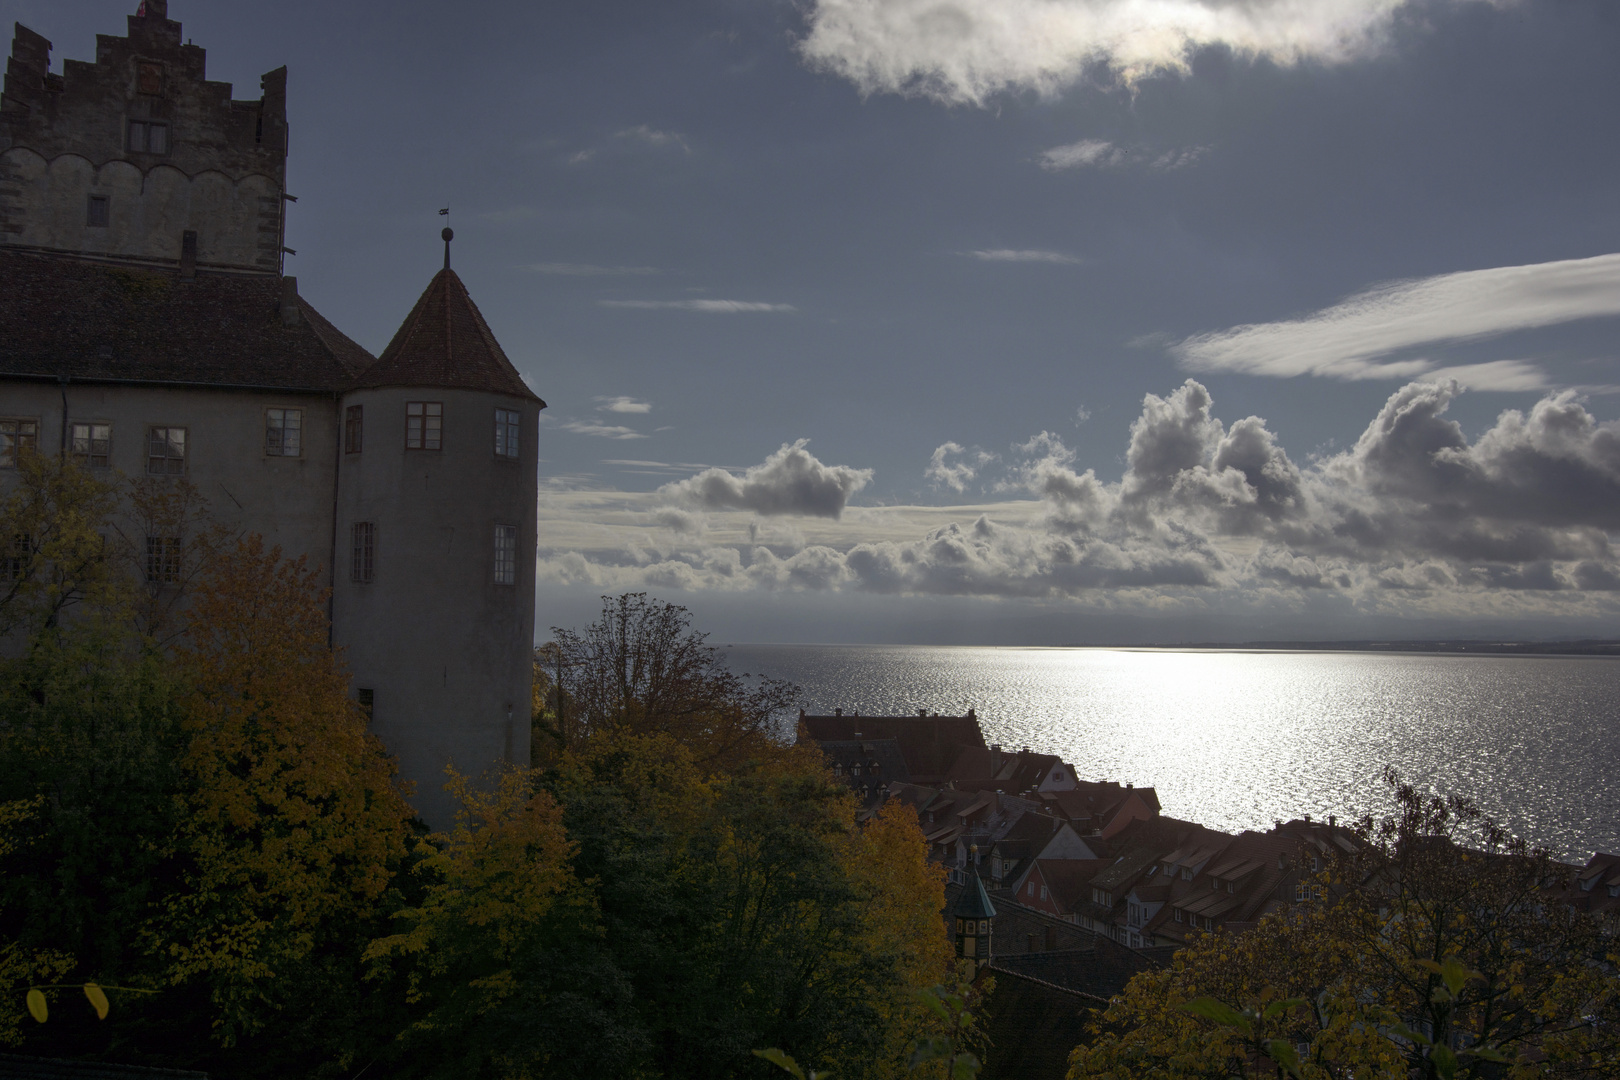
975	916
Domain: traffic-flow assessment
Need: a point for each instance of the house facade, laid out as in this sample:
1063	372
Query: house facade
147	329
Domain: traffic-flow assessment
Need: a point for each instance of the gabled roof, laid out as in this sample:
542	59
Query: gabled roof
445	342
98	322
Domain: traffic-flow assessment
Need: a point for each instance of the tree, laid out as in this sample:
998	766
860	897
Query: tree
1446	951
641	668
293	823
57	548
501	955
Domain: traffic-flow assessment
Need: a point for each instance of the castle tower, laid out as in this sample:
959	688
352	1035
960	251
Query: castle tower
434	595
137	157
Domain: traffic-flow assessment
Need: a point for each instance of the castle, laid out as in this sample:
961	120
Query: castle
147	328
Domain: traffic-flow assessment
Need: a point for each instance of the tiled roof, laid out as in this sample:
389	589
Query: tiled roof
1032	1025
84	320
445	342
929	743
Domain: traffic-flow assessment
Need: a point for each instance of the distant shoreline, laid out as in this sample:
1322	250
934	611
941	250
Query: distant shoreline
1457	646
1485	646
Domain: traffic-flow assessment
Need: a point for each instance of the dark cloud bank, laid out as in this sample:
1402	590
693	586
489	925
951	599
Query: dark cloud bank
1415	520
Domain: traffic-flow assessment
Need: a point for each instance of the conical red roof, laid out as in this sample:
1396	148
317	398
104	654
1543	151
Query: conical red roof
445	341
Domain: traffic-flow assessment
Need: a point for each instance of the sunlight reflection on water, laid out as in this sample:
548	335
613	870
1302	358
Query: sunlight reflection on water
1237	739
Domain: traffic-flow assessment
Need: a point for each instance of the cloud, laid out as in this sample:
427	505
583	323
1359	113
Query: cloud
964	51
1414	519
1361	337
713	307
642	133
1101	154
1085	154
622	404
790	481
955	474
565	269
1013	255
606	431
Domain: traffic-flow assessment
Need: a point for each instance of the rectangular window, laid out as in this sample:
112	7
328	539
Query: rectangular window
424	425
92	444
15	437
166	451
352	429
163	557
19	556
506	554
148	137
96	213
283	432
367	698
506	432
363	551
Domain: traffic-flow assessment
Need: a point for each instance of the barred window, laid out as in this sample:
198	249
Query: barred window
506	432
363	548
506	537
163	560
166	451
18	558
353	429
92	444
96	214
17	435
424	425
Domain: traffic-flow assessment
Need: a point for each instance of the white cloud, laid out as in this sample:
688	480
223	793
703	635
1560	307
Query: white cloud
713	307
566	269
954	466
606	431
1414	519
963	51
1087	153
1357	338
1025	255
790	481
622	404
1101	154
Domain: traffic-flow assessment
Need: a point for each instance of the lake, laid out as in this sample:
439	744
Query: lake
1237	739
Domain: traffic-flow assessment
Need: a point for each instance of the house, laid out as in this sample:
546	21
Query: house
868	766
989	768
147	329
929	742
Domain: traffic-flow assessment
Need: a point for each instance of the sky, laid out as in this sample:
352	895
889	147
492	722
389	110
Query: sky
1000	321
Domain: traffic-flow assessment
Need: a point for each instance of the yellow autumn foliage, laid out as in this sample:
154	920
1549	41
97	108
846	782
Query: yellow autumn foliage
294	817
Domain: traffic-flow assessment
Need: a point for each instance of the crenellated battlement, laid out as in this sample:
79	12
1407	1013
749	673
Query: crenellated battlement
124	156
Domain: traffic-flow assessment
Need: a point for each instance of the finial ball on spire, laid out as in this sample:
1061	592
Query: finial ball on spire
448	235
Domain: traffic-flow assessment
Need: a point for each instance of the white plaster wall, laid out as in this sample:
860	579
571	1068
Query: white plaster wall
287	500
446	651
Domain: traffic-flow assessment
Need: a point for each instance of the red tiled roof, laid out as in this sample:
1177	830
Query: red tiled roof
445	341
79	319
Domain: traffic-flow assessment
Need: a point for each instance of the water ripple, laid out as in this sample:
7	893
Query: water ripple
1238	739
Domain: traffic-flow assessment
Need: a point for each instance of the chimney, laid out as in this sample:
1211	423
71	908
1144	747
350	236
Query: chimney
289	301
1333	821
922	713
188	254
838	712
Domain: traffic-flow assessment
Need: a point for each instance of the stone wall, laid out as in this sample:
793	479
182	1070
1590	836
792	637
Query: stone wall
142	128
